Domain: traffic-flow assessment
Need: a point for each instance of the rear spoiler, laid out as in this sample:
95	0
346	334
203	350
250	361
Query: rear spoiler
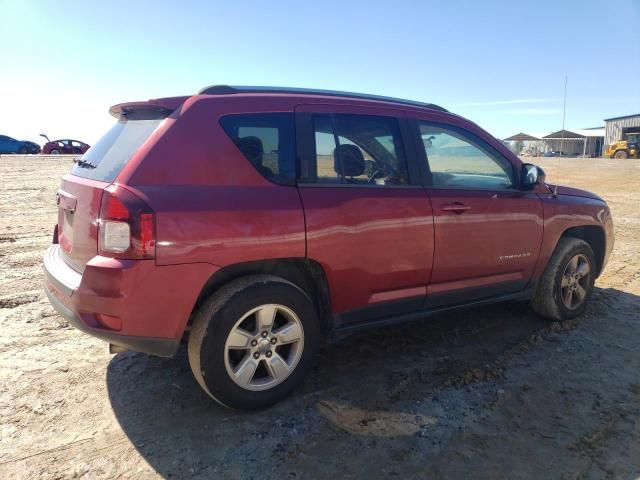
147	110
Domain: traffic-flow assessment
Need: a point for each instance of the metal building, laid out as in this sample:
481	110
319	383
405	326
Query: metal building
616	128
585	142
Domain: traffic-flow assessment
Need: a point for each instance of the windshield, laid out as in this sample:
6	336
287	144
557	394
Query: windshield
106	158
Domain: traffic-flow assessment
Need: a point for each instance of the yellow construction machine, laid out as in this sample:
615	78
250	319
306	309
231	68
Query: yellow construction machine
629	148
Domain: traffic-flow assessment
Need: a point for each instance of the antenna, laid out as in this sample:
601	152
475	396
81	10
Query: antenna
564	112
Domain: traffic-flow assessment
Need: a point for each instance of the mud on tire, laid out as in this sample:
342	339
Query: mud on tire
548	298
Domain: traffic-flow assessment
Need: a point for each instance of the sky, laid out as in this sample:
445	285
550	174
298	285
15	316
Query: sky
501	64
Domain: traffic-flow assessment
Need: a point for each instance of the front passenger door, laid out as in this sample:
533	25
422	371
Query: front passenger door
487	232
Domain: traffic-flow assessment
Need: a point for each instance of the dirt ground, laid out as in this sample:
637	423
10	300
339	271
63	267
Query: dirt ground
488	393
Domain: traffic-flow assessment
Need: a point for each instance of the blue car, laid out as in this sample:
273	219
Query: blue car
11	145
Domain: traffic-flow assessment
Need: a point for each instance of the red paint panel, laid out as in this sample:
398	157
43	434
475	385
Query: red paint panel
226	225
500	234
566	211
369	241
78	226
148	300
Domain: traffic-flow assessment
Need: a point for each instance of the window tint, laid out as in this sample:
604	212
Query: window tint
106	158
359	149
458	160
267	140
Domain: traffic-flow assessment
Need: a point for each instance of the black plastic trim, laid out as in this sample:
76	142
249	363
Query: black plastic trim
341	331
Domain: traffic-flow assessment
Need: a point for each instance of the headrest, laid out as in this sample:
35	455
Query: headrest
352	161
252	148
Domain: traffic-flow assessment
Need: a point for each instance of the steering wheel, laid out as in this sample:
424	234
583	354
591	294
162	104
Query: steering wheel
384	170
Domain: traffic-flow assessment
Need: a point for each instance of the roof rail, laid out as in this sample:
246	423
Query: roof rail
228	90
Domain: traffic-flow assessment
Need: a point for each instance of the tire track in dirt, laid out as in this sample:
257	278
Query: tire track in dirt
15	300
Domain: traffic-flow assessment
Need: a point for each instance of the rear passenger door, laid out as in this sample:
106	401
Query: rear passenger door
368	222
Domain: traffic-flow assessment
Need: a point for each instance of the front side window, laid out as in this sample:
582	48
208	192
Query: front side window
459	160
267	141
359	149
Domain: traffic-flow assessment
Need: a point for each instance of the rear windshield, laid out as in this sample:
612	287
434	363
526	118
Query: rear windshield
106	158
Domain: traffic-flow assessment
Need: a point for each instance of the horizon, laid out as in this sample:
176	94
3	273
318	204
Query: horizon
502	66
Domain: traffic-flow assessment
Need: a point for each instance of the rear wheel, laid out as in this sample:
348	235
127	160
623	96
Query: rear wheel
567	282
252	341
620	154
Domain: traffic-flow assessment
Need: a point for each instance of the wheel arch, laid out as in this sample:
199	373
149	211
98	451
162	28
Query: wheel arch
303	272
594	235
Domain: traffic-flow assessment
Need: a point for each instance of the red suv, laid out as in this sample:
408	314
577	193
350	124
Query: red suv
254	221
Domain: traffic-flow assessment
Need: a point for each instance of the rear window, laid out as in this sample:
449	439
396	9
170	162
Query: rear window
110	154
267	140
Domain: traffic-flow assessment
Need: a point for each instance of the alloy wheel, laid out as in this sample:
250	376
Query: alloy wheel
575	282
264	347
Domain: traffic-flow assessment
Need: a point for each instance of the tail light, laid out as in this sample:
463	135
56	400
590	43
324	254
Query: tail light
126	227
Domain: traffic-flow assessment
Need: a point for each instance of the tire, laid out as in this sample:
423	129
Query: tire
553	290
55	151
621	154
217	366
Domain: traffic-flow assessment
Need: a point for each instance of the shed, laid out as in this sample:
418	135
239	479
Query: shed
525	144
616	128
577	141
522	137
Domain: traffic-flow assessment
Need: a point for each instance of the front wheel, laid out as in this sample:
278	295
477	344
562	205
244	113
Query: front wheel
567	282
55	151
620	154
252	341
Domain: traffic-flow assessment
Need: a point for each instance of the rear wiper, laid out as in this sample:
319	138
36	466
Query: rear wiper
84	163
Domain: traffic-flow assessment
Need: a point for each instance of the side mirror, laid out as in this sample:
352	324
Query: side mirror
530	176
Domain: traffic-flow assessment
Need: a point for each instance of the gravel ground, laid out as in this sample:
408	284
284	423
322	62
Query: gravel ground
485	393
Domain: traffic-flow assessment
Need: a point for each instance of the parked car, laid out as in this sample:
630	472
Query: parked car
11	145
178	225
554	153
66	147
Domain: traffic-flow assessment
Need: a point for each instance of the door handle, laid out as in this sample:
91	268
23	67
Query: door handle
455	207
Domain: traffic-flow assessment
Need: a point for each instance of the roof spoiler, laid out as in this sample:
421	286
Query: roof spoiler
147	110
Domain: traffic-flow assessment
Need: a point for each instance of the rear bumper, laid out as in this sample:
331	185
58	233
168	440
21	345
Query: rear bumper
130	303
161	347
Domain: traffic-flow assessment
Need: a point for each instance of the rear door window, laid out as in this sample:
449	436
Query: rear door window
267	141
359	150
109	155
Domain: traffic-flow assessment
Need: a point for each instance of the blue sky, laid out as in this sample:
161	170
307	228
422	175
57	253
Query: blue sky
499	63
